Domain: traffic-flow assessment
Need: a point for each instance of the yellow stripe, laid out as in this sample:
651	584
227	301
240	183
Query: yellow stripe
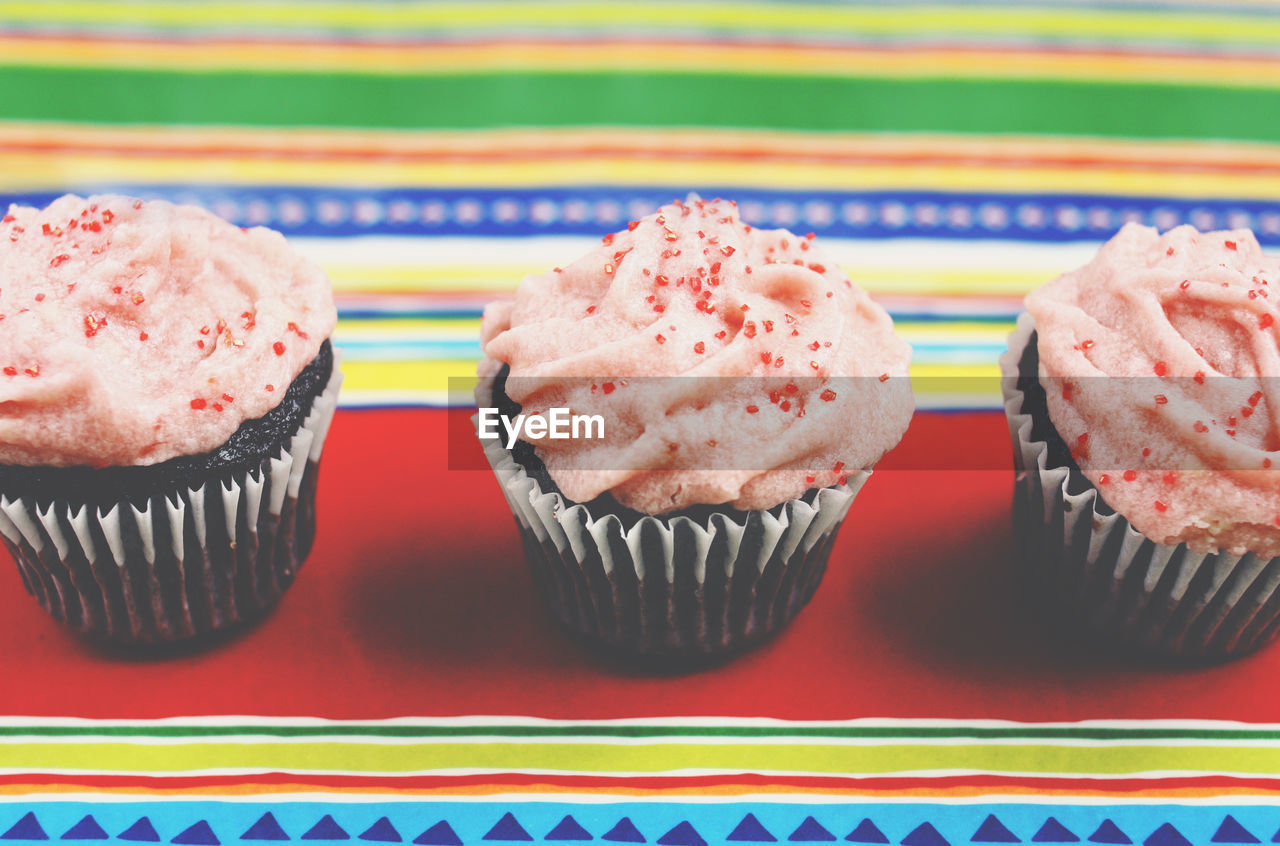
497	280
1089	24
36	171
710	142
432	377
655	56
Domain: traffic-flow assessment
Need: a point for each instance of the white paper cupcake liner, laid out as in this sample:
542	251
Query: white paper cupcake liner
1153	598
188	562
672	586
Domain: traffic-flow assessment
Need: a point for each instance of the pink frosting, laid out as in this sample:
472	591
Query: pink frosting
1180	451
131	332
691	291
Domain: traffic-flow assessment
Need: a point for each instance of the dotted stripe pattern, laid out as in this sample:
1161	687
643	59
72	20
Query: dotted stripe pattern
336	212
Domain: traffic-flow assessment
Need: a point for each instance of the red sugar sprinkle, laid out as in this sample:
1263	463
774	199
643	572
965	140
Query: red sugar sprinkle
749	329
138	299
768	325
700	348
107	216
1161	399
1199	377
1186	283
631	226
1066	392
1146	452
791	388
608	239
200	344
117	289
659	308
777	362
137	204
660	279
1130	475
292	327
1104	479
1200	427
766	357
33	371
11	371
814	365
93	226
198	404
1086	345
806	303
727	251
1170	478
884	377
1169	251
270	388
745	307
1246	411
204	330
59	259
1255	397
217	406
815	345
8	218
1266	462
1083	439
827	396
1265	321
591	309
752	409
142	336
809	479
721	334
1230	245
278	348
818	268
92	323
39	298
1160	506
228	398
785	405
660	339
1161	368
607	387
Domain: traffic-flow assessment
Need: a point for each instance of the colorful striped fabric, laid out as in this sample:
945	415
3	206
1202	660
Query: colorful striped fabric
429	155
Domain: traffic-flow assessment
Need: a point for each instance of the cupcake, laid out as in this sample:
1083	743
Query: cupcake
1139	396
745	388
166	384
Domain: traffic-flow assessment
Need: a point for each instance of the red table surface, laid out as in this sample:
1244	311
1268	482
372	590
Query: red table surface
416	602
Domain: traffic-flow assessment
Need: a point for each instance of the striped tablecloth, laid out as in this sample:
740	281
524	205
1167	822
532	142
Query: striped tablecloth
428	155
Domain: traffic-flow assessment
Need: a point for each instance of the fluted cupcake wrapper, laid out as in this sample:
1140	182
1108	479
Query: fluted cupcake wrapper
184	564
1158	599
672	586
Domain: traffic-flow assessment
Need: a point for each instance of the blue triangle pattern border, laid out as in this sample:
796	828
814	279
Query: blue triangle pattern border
194	822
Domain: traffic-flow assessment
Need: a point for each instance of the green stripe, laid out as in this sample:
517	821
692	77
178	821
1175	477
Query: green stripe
599	97
647	731
645	758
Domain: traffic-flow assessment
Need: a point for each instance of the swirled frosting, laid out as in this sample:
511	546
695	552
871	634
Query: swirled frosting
1181	436
132	332
761	327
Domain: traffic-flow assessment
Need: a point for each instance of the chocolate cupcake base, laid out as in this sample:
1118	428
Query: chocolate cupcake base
178	563
672	587
1155	599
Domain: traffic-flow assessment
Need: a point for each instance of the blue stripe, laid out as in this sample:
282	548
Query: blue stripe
593	210
227	822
